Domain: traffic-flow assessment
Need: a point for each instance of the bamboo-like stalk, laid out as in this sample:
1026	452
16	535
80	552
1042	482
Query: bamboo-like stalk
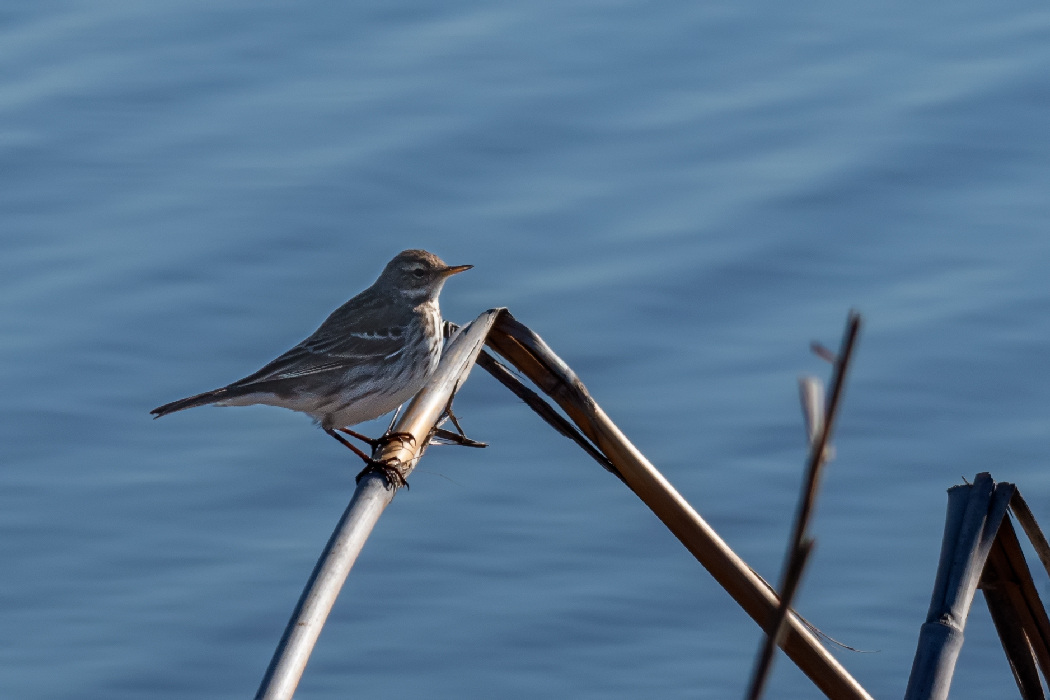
531	356
975	514
371	497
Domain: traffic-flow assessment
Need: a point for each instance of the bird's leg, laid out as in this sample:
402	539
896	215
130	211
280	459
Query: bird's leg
385	439
347	443
372	442
389	469
404	438
393	418
452	417
454	438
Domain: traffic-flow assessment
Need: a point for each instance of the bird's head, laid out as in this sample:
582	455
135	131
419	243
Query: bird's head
418	275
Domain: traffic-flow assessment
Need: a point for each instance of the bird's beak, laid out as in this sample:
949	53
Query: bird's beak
455	270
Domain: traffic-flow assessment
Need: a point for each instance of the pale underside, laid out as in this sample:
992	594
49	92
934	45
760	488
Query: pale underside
342	377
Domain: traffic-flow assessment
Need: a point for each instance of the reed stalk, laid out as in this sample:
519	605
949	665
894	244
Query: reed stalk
533	358
372	496
975	513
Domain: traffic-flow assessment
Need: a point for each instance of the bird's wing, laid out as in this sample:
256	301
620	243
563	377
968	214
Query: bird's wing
364	327
359	333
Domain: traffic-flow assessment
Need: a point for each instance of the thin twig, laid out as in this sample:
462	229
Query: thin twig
787	597
798	550
822	352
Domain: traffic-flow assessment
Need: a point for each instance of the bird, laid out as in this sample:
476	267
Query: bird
369	356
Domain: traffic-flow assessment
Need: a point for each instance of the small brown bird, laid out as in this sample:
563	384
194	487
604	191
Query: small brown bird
372	354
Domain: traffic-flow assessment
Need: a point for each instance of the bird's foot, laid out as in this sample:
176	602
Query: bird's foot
346	443
455	438
447	437
390	469
406	439
381	441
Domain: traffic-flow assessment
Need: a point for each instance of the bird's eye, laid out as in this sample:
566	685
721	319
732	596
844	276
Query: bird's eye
418	272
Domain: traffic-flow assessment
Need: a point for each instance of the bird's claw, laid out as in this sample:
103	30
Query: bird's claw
390	469
451	438
404	438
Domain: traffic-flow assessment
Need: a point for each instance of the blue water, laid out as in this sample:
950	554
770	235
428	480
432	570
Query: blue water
678	196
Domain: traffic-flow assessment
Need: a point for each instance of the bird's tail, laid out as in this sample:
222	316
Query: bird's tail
192	402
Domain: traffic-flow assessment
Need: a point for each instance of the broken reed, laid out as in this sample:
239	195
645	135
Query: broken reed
533	358
980	550
590	428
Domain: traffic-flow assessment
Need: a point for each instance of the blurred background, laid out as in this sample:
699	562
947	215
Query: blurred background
677	196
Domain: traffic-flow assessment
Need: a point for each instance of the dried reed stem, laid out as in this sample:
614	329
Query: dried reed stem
372	496
533	358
